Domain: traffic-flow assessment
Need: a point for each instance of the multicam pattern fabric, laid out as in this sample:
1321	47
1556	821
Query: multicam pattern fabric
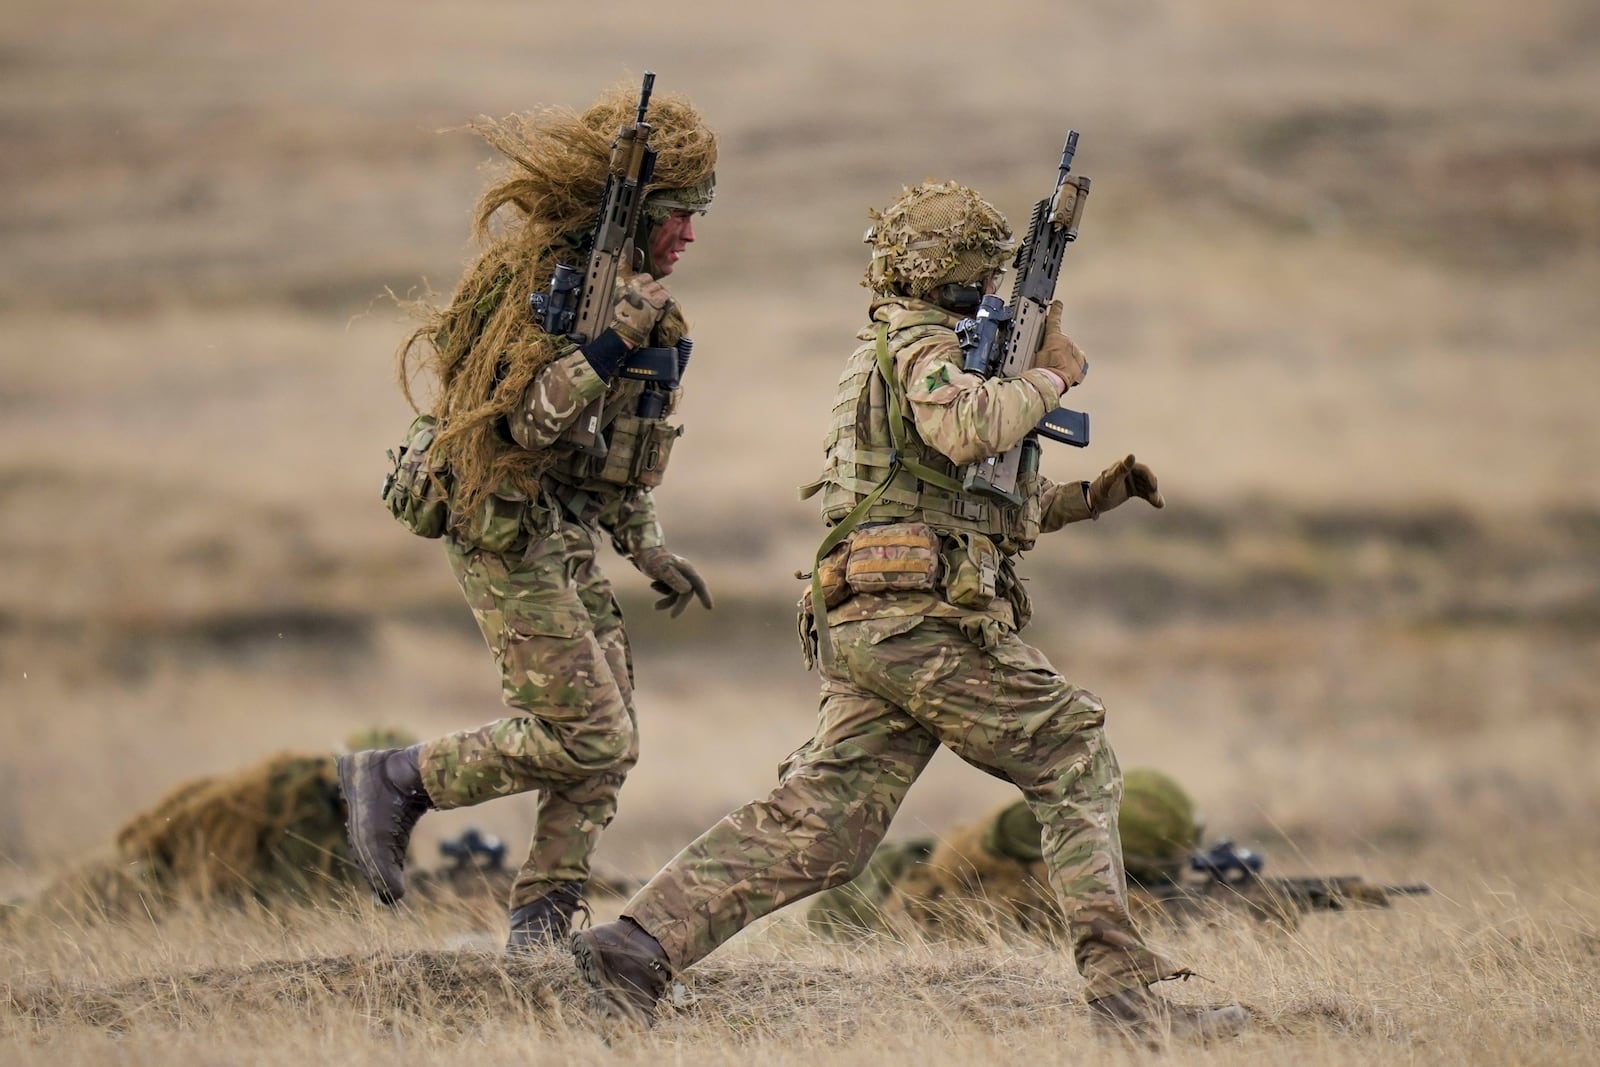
899	688
553	625
660	203
910	672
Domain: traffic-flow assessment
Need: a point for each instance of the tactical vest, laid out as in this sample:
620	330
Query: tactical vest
637	448
861	453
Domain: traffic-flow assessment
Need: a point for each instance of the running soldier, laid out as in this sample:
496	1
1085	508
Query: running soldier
922	613
526	506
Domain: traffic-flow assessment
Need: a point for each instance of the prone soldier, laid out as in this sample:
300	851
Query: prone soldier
989	876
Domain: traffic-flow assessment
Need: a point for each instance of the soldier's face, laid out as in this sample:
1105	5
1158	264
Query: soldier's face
669	239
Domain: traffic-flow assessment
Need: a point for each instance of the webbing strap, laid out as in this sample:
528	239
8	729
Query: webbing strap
847	525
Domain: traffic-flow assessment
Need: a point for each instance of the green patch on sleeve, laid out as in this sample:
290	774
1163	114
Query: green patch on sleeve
937	378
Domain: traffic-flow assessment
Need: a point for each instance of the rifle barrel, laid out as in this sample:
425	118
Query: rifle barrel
644	95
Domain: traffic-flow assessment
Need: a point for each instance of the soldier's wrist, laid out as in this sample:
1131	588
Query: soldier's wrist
606	353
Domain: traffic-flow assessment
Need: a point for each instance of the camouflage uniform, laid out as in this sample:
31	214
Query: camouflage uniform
912	670
556	632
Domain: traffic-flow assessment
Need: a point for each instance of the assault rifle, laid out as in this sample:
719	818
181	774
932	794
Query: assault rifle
1003	338
580	306
474	849
1230	869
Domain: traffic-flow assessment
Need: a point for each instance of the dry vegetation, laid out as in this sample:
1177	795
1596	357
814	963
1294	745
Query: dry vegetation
1337	283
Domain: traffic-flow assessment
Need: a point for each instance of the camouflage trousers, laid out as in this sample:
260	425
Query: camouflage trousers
555	630
899	688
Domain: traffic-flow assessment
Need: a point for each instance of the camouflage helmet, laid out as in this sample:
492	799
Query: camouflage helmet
1158	826
936	233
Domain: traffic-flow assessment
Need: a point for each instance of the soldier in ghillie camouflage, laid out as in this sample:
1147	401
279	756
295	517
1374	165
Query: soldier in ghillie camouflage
922	612
988	877
526	507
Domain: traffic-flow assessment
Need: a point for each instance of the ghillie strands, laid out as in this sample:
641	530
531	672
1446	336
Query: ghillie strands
481	348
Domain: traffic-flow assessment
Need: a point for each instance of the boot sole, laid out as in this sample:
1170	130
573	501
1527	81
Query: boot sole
610	999
352	775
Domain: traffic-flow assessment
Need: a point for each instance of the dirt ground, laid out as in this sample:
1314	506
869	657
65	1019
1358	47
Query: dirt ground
1336	280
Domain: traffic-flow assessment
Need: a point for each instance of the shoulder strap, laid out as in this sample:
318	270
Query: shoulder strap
898	462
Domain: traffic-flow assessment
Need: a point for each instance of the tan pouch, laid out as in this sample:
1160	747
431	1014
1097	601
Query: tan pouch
637	451
893	558
835	589
971	571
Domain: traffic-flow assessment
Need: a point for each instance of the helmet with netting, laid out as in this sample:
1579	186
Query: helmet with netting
1159	827
936	233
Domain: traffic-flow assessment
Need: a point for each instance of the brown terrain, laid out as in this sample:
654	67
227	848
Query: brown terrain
1337	280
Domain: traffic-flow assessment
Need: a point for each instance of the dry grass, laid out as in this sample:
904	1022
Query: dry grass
1337	286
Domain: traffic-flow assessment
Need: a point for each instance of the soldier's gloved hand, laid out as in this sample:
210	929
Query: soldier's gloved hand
639	307
673	577
1122	480
1058	353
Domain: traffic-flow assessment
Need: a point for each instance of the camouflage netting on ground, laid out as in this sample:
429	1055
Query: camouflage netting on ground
269	831
272	830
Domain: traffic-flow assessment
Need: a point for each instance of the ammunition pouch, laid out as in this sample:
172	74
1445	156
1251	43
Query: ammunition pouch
637	450
971	570
894	557
417	489
500	524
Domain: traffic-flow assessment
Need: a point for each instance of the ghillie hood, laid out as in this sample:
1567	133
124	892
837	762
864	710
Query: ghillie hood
481	348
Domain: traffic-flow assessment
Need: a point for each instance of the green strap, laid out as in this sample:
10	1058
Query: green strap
897	430
847	525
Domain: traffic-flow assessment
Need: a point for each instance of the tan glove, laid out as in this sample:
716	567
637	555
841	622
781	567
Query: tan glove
1058	353
639	307
673	577
1119	482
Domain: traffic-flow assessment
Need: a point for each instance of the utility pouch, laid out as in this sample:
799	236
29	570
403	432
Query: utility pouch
835	588
638	450
893	558
971	570
417	490
1016	595
498	526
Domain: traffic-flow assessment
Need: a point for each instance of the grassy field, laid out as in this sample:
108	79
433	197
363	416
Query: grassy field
1336	281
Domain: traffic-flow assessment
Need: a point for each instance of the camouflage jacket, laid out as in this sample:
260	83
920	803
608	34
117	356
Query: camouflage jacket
578	483
955	417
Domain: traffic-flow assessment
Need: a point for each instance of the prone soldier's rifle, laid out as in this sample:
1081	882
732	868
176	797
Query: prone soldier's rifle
1004	338
1227	867
579	306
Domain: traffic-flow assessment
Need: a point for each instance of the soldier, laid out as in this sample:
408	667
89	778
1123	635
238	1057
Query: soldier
527	509
923	608
990	874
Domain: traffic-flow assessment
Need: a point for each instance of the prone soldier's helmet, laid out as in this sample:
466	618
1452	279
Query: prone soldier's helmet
1159	827
934	235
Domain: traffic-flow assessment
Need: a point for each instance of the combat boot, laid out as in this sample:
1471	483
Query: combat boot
383	798
626	967
1140	1015
548	920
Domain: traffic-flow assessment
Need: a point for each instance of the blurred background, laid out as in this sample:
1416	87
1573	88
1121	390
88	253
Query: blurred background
1337	281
